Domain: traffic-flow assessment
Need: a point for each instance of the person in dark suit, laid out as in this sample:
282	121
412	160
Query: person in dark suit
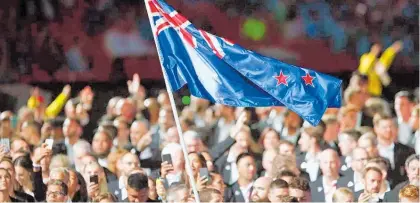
412	167
241	190
353	179
347	141
323	188
310	146
226	164
386	130
372	181
137	188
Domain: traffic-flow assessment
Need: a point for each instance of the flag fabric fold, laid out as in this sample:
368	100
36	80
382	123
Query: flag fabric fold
223	72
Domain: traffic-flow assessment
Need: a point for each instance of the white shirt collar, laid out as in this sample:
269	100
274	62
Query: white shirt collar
387	148
246	191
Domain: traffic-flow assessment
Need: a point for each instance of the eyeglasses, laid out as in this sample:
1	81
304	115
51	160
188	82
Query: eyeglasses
55	194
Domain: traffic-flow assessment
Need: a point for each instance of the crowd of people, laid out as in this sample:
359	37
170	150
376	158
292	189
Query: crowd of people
364	151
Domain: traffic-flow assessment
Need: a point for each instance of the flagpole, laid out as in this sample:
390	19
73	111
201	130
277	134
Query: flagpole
175	112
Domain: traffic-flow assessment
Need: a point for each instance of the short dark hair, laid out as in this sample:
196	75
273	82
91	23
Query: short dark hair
353	133
300	183
243	155
138	181
60	183
285	172
207	193
287	198
279	183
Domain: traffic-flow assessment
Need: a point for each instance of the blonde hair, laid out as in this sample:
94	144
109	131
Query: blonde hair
113	159
342	193
61	160
409	192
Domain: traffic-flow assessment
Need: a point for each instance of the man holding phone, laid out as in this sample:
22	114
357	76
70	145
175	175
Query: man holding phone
173	164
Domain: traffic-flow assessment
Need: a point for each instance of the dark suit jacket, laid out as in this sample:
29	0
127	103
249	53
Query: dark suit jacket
357	195
317	191
223	167
344	169
347	180
40	188
398	174
217	151
392	196
109	175
113	187
235	194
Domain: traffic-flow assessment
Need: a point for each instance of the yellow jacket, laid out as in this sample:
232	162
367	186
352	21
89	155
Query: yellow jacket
367	67
53	109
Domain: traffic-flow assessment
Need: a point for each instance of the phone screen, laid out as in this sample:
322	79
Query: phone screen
204	172
94	179
50	143
167	158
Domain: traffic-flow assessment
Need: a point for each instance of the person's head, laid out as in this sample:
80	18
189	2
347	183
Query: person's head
102	143
347	141
385	127
138	129
267	160
177	156
404	103
278	188
31	132
375	105
359	158
106	197
347	117
85	160
126	109
311	136
80	149
246	166
171	135
112	103
243	137
225	111
61	174
282	162
177	193
343	195
193	141
127	163
72	128
166	118
372	179
292	120
286	148
354	96
210	195
197	161
18	145
57	191
409	193
73	183
92	169
412	166
217	182
380	163
269	139
369	142
59	160
123	130
414	118
5	181
23	170
332	127
137	187
330	163
299	188
286	175
260	189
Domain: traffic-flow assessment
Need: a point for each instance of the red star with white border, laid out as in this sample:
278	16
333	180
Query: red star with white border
281	79
308	79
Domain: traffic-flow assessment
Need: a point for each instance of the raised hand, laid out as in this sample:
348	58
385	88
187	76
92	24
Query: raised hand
66	90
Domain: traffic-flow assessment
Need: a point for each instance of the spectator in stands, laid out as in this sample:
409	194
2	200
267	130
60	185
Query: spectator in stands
343	195
347	143
326	184
300	189
372	181
267	162
286	175
240	191
137	188
101	146
211	195
369	142
260	189
414	122
286	148
57	191
290	130
72	131
353	178
5	184
23	169
409	193
404	103
177	193
277	189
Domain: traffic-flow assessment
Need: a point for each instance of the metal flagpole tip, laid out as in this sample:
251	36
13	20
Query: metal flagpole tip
186	100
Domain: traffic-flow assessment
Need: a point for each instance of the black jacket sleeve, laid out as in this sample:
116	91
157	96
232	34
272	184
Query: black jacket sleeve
40	188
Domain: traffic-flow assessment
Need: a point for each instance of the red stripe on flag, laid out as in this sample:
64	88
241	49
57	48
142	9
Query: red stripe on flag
210	42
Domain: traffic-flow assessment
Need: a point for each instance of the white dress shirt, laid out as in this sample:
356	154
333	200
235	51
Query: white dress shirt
329	189
311	165
291	138
121	186
405	132
358	182
387	152
234	173
246	191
